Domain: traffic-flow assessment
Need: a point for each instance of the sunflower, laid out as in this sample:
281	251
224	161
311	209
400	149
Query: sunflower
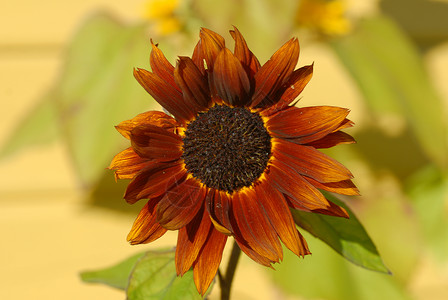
234	157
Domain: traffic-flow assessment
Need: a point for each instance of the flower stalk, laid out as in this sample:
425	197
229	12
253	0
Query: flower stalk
226	281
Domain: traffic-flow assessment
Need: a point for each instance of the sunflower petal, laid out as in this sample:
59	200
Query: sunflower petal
153	142
208	261
344	187
190	240
292	184
242	52
156	118
127	164
274	73
165	94
254	227
154	180
193	84
251	253
306	124
218	206
211	44
281	219
180	204
310	162
291	89
161	66
145	228
331	140
230	79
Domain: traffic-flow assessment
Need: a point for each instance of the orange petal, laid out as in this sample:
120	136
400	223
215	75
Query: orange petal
251	253
161	66
193	84
331	140
180	204
156	118
127	164
344	187
154	180
218	206
198	57
190	240
153	142
300	191
274	73
334	210
242	52
165	94
310	162
345	124
254	227
291	89
145	228
306	124
209	259
278	213
211	45
230	79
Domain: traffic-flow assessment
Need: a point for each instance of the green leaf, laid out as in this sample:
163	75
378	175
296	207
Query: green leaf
40	126
328	276
116	276
346	236
97	91
389	72
154	277
428	190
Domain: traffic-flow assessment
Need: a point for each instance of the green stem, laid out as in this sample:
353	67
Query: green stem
226	280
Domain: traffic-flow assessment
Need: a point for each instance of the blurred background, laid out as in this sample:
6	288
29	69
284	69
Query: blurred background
66	80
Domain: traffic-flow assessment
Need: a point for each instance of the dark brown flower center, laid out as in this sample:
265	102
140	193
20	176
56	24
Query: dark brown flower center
226	148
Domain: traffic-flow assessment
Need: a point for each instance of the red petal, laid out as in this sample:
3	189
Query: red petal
212	43
198	57
193	84
165	94
345	124
345	187
300	191
310	162
291	89
331	140
161	66
274	73
334	210
156	118
230	79
278	213
251	253
306	124
180	204
153	142
190	240
206	266
154	180
242	52
145	228
127	164
218	206
254	226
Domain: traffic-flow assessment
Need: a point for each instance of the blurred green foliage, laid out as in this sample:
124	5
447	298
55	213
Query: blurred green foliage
405	194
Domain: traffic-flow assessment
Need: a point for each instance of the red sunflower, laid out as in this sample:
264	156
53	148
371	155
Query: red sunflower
233	158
